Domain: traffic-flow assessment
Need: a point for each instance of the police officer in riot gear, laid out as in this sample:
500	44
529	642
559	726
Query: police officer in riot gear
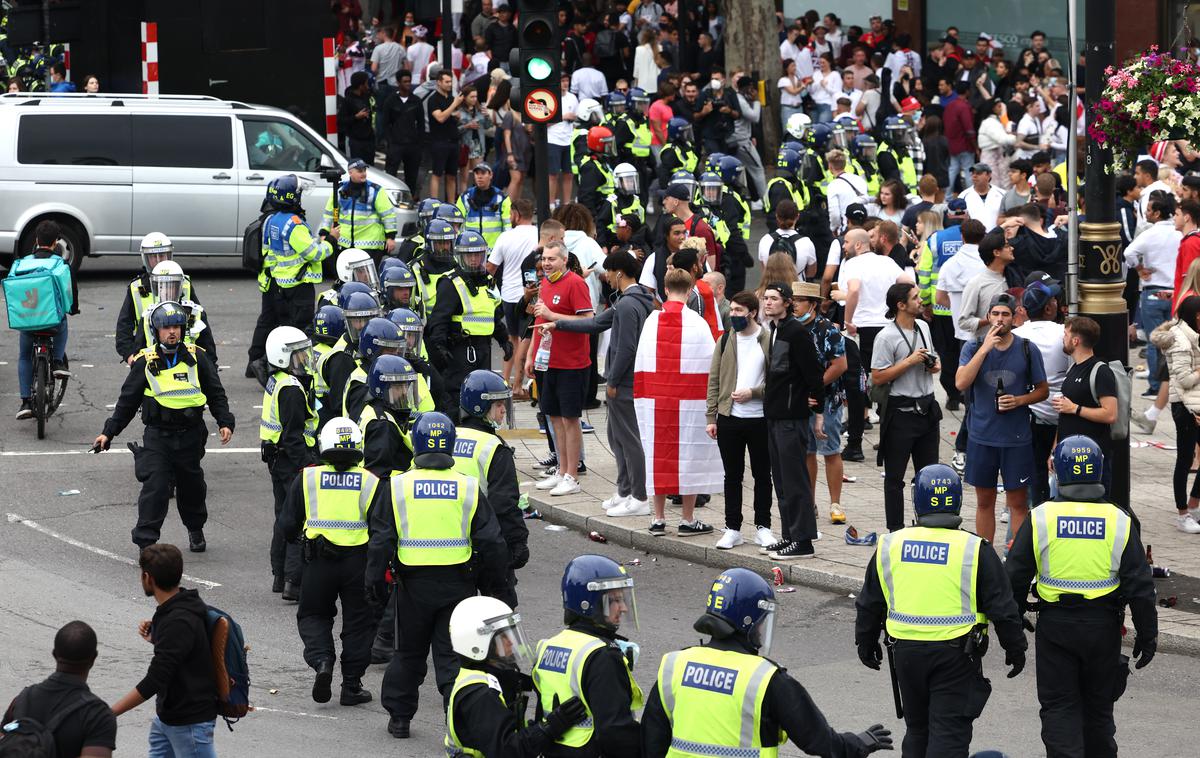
328	329
170	383
329	504
287	435
358	309
485	402
595	176
892	155
935	588
410	247
436	262
140	297
726	697
444	544
379	337
400	289
169	283
624	201
490	643
392	384
1085	558
351	265
467	317
291	267
431	389
590	659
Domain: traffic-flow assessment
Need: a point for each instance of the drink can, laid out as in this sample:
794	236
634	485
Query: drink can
597	537
777	576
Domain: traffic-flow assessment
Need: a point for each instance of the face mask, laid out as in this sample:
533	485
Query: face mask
805	318
716	84
555	276
739	322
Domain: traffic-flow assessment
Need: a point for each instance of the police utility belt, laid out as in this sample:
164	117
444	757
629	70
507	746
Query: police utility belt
156	414
974	643
319	548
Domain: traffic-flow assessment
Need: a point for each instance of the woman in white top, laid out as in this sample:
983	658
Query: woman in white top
996	144
891	202
824	90
1055	134
791	92
645	70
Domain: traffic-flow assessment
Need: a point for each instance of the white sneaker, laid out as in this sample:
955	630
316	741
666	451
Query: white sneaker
763	537
1187	524
959	463
613	502
568	486
549	482
730	539
756	205
872	416
631	507
1143	424
1143	374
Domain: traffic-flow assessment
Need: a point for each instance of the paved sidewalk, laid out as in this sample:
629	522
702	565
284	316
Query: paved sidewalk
839	567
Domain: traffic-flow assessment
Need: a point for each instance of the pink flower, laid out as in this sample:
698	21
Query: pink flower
1116	98
1109	71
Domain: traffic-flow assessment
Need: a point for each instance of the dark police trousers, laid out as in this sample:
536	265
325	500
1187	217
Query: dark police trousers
943	691
1079	671
170	457
282	307
427	596
285	557
328	579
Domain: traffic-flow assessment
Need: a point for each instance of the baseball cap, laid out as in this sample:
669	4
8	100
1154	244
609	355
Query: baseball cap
957	205
784	289
1041	276
356	163
1004	299
479	167
980	168
1036	296
856	212
679	192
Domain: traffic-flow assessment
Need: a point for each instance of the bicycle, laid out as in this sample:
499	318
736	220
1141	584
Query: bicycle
48	389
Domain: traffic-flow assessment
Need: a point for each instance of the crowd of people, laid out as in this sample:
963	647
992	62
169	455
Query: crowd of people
916	217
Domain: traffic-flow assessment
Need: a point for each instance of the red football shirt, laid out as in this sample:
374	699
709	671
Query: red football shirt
569	295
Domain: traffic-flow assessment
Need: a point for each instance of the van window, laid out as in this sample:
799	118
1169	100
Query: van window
182	141
69	139
279	146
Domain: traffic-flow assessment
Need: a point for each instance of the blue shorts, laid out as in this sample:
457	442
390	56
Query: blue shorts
560	159
985	464
832	444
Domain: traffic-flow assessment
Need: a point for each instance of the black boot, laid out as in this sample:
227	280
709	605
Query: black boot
398	728
196	542
277	584
853	453
291	591
353	692
381	650
322	689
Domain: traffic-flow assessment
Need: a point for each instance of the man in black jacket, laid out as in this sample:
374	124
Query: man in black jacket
181	672
795	391
354	118
403	123
170	382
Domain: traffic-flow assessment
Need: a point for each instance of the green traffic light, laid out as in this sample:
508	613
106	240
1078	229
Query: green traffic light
538	68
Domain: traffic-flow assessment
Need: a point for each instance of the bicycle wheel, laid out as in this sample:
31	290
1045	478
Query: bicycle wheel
41	394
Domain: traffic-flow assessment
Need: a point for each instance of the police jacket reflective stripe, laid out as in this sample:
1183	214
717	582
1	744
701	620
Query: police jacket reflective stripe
291	255
336	503
674	154
433	509
366	216
473	453
929	578
714	700
624	205
490	219
1077	548
269	425
427	282
558	672
357	376
466	678
369	414
606	186
796	192
143	300
175	386
320	381
478	315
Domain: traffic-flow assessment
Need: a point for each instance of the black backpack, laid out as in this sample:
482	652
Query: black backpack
782	244
26	737
606	44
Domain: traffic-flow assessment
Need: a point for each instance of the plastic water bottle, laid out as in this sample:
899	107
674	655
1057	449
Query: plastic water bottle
541	360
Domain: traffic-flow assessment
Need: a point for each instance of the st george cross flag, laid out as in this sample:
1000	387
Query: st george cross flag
670	385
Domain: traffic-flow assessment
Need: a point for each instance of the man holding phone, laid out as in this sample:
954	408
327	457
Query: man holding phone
718	110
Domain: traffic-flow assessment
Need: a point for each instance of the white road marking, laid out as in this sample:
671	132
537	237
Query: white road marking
92	365
117	451
293	713
16	518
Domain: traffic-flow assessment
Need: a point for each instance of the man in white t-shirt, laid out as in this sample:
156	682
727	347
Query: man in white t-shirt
983	199
865	279
419	54
844	190
786	239
1040	301
955	273
558	141
511	248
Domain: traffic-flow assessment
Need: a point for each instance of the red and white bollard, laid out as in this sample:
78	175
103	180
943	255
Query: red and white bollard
149	58
329	52
67	59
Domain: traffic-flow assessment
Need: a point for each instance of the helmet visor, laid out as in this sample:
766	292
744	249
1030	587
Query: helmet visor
442	250
470	261
610	147
510	648
841	139
151	257
401	392
628	184
712	193
763	633
167	287
868	150
411	338
617	603
364	272
356	321
500	400
400	294
302	360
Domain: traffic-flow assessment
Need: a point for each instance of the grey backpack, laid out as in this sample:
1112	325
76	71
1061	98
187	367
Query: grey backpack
1120	428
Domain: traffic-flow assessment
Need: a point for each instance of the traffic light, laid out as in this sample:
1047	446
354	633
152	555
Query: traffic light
537	61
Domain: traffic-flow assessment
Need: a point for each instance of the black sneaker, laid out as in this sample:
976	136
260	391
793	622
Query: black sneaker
26	411
794	551
196	541
658	528
780	545
550	461
581	470
853	454
696	527
59	369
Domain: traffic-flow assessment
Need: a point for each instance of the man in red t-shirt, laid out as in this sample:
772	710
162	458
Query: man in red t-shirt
561	395
1187	221
677	202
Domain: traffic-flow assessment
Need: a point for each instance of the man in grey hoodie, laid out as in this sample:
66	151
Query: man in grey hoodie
625	318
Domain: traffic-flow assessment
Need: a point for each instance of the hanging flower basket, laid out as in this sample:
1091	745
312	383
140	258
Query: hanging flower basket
1152	98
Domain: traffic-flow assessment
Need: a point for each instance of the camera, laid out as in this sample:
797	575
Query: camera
930	360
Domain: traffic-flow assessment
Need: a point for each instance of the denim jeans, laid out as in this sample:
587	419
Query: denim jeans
822	114
187	741
25	359
1153	312
960	167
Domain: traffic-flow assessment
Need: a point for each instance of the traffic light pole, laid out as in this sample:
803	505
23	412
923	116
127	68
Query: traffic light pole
541	181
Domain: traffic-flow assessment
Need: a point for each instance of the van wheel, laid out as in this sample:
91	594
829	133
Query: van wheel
72	244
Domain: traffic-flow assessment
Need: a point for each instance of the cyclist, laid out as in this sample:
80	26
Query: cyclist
45	258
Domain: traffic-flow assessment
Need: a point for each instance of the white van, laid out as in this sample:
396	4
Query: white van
110	168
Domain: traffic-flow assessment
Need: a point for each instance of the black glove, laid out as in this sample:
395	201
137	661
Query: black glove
871	655
376	592
1015	659
1027	625
1144	651
518	556
507	348
565	716
875	738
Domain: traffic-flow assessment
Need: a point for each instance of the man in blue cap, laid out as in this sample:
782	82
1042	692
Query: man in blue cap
365	212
